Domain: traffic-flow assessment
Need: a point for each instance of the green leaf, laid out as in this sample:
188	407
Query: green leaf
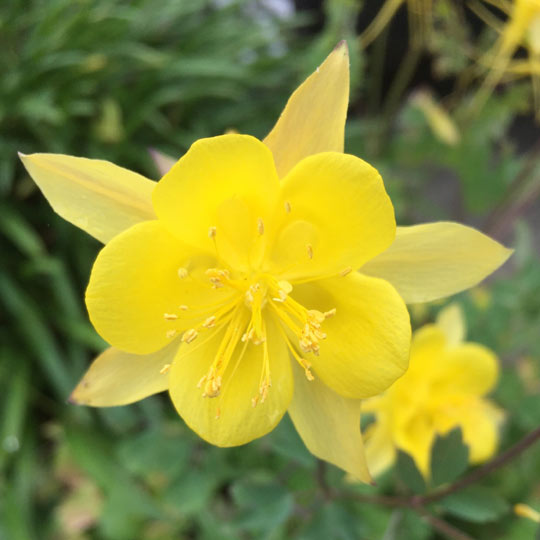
284	440
264	504
335	522
190	494
406	524
408	473
476	503
449	457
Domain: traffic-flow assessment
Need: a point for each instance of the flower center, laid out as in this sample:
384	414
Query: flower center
243	321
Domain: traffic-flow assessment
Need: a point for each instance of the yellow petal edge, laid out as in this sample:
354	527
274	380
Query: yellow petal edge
313	120
434	260
118	378
97	196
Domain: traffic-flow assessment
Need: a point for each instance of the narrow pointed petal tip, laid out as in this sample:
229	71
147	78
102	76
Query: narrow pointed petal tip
21	155
72	401
342	45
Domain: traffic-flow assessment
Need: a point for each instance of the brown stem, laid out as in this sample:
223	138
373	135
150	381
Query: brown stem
442	526
419	501
496	463
500	211
321	479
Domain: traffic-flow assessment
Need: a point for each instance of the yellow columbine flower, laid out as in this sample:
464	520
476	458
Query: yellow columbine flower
522	29
233	282
442	389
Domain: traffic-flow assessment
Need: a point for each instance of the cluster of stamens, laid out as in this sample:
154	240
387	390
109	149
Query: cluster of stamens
241	318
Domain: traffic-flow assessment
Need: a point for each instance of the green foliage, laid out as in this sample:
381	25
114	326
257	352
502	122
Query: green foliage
409	474
110	79
476	504
449	457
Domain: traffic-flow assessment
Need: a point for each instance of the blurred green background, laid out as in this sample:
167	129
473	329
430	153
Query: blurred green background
111	79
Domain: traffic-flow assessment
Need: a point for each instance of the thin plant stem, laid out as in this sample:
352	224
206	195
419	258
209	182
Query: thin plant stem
401	80
419	501
499	213
442	526
496	463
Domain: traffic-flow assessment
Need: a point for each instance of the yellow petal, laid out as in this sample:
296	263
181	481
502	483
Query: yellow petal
313	120
451	321
118	378
135	282
428	343
414	435
230	419
335	215
228	183
329	425
479	420
96	196
368	339
380	449
469	368
435	260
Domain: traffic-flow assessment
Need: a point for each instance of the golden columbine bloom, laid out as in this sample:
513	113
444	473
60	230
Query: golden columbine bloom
233	282
442	389
522	29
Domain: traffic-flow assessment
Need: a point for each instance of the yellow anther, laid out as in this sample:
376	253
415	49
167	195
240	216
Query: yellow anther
183	307
221	273
309	248
171	333
189	335
254	401
218	413
524	510
284	286
260	226
330	313
165	369
252	292
258	340
170	316
182	273
212	387
287	207
307	369
315	316
345	271
210	322
217	277
212	232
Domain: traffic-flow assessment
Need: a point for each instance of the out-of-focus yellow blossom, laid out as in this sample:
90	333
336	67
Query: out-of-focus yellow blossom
420	20
232	282
444	388
522	29
524	510
439	121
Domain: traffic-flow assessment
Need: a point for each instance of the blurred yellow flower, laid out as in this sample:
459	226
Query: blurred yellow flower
444	388
232	282
522	29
